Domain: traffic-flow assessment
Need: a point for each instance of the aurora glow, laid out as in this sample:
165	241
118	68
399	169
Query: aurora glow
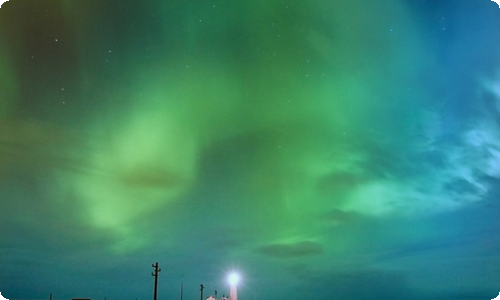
334	149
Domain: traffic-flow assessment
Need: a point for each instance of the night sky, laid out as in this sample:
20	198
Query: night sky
324	149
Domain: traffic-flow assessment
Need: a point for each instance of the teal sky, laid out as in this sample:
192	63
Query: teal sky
325	149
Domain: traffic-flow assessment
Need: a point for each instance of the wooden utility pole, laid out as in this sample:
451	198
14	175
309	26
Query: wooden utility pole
201	289
155	274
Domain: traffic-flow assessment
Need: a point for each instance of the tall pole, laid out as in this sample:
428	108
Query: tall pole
182	285
201	289
155	274
50	296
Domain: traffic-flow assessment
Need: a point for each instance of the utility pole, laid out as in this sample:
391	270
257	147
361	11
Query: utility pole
182	285
201	289
50	296
155	274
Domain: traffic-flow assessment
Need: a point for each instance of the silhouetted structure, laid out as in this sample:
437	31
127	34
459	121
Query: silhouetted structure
201	289
182	285
155	274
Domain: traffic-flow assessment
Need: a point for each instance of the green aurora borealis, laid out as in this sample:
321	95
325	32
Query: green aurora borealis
327	149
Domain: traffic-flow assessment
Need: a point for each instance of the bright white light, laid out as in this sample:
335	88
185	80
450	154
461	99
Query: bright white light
234	278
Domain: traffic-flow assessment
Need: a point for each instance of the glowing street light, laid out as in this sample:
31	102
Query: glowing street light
234	279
